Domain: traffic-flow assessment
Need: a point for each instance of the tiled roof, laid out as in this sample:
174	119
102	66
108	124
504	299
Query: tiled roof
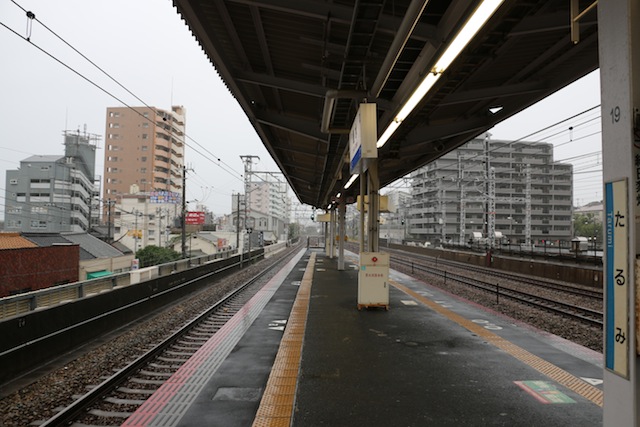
208	236
15	241
93	245
90	247
49	239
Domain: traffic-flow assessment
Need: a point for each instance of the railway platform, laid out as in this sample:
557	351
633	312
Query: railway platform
301	354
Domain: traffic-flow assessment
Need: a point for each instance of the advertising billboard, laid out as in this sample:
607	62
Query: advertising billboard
194	218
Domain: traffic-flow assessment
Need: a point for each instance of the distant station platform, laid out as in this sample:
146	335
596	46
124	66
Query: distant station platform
300	353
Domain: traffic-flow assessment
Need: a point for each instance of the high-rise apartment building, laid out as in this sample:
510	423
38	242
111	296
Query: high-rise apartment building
270	198
527	193
54	193
143	146
267	208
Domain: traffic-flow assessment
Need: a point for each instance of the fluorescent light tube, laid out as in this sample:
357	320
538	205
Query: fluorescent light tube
351	181
417	95
387	133
466	34
480	16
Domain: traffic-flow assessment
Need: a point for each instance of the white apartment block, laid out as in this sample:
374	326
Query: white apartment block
528	193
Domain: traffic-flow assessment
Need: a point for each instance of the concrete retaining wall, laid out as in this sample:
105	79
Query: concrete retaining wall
582	275
37	337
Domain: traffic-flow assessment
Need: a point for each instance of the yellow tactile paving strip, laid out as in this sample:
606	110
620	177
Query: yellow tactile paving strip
561	376
276	406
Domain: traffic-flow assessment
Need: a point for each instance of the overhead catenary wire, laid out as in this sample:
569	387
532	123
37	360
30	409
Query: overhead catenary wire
218	161
454	174
105	72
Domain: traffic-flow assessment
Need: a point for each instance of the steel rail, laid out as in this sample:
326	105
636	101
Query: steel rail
515	277
586	315
80	406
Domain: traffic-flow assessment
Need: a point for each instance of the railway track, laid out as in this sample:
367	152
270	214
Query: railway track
466	275
113	400
582	314
545	284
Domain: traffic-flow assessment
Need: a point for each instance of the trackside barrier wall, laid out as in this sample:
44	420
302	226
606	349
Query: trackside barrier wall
549	270
41	335
23	303
272	249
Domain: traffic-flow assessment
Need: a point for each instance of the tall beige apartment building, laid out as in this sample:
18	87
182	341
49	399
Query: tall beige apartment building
143	146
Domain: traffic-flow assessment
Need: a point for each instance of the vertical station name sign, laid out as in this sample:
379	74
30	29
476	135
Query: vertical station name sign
363	138
617	332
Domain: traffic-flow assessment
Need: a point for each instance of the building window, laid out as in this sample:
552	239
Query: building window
145	136
143	170
143	159
144	148
145	124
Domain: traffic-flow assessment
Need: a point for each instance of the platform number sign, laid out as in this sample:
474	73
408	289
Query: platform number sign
618	276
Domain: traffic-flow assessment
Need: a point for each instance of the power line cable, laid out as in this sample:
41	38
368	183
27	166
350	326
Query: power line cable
522	139
227	168
33	17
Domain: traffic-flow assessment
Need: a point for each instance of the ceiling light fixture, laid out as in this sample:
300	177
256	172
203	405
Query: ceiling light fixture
479	17
351	181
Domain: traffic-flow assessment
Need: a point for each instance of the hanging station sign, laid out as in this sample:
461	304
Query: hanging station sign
363	138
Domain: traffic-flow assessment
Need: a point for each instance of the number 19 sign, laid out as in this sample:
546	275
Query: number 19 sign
617	278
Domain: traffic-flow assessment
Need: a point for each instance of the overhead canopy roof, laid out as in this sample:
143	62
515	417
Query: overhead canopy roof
299	69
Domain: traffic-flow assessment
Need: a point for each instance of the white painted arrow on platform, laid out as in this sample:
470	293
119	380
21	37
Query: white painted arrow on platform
277	325
592	381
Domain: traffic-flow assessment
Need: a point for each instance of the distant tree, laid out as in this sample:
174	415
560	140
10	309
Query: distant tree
294	230
587	225
154	255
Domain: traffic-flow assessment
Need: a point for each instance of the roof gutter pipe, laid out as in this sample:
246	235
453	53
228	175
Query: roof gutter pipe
409	22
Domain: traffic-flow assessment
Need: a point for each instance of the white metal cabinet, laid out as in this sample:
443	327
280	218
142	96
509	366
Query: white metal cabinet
373	277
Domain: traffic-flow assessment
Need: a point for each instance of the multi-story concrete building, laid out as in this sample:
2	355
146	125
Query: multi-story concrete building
269	197
395	223
267	207
143	146
53	193
528	194
141	219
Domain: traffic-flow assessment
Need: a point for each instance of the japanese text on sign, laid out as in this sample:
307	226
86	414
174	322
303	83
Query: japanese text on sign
617	283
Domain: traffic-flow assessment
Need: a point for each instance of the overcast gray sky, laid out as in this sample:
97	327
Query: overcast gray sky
148	49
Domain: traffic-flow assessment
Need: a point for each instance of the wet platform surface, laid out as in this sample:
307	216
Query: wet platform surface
431	360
